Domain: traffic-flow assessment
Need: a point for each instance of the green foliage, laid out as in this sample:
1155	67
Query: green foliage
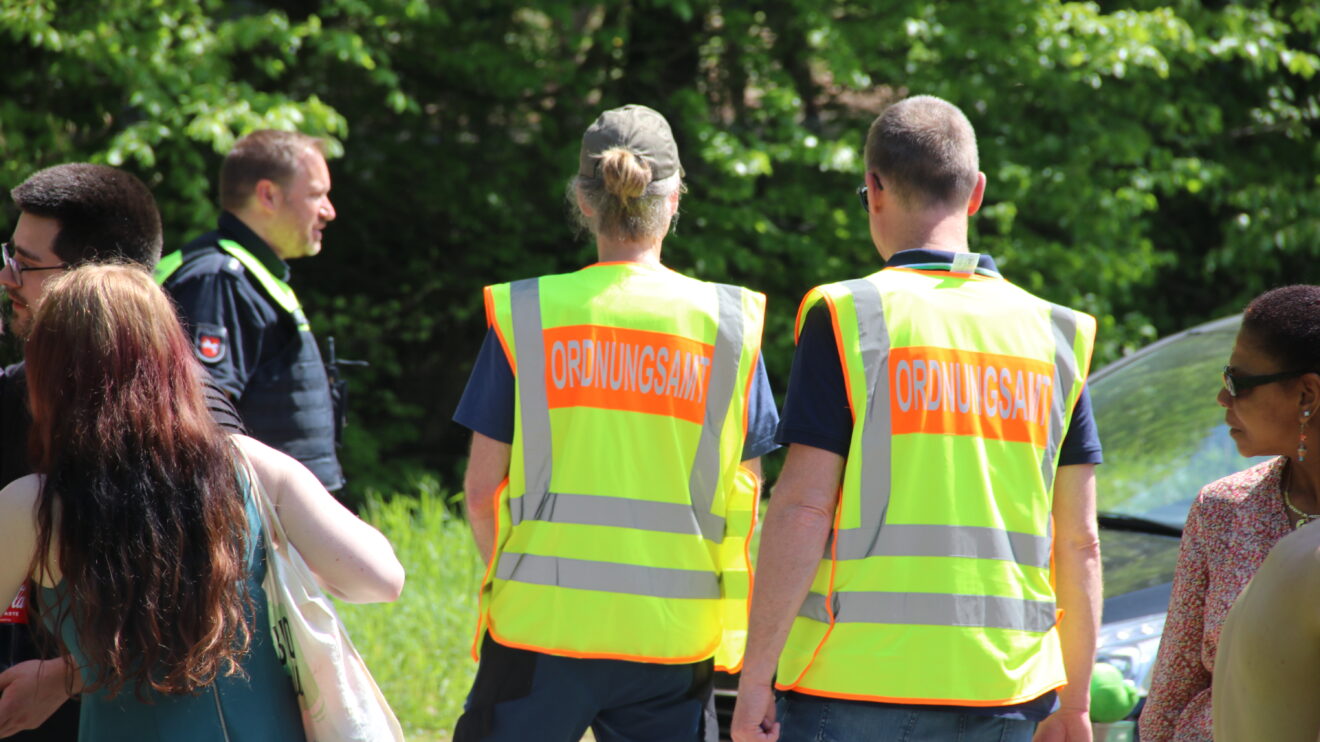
417	648
1151	163
158	88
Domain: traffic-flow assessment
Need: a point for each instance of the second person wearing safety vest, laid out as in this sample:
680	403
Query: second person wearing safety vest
941	460
618	413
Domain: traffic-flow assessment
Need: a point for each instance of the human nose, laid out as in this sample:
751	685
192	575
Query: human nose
1224	399
327	210
8	276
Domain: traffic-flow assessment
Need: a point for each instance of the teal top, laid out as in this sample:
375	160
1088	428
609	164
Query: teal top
261	707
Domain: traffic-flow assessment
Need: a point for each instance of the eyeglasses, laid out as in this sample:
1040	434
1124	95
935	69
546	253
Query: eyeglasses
1236	384
861	193
19	269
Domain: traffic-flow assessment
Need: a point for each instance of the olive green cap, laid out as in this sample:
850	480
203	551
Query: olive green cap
638	129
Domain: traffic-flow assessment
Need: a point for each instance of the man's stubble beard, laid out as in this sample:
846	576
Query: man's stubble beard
13	325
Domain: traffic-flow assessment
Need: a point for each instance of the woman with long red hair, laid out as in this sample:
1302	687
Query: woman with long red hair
141	532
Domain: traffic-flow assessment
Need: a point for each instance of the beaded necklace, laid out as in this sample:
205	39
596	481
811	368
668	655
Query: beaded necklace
1303	517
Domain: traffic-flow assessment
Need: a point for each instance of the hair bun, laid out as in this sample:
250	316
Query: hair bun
624	174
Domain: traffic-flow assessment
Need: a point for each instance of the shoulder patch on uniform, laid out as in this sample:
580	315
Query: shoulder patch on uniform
210	343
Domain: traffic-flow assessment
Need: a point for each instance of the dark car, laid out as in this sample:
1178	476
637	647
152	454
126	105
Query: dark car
1164	438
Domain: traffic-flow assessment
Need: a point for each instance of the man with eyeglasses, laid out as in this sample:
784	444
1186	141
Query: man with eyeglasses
68	215
20	260
247	326
941	459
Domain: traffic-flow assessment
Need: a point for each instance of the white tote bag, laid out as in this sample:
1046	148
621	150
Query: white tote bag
340	701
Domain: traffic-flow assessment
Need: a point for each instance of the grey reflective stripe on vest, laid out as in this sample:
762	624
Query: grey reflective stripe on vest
976	542
877	426
875	537
597	510
631	579
538	503
705	477
933	609
534	405
1064	323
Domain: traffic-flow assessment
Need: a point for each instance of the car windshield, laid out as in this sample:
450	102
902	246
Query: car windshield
1163	433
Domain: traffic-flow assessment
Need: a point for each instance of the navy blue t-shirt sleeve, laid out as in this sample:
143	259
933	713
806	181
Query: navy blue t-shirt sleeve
1082	443
816	411
816	407
762	416
486	406
224	325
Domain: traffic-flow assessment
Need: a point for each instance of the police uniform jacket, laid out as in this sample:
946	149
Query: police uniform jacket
255	349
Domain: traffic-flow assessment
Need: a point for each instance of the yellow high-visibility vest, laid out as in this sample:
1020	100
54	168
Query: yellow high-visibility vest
624	523
937	586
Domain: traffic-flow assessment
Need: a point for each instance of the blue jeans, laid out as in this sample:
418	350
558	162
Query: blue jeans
810	719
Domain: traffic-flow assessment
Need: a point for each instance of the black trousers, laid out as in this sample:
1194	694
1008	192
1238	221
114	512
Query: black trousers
521	695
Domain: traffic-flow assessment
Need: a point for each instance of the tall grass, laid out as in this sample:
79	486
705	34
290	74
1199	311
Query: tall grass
417	648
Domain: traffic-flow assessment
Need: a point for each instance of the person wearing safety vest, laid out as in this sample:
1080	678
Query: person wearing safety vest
231	287
930	564
618	416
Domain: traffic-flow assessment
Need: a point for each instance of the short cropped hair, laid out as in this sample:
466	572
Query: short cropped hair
266	154
924	150
104	213
1285	324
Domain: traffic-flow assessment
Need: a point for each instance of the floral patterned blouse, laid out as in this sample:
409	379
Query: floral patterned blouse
1230	530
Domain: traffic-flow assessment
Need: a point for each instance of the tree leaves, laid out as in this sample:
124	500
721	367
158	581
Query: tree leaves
1154	165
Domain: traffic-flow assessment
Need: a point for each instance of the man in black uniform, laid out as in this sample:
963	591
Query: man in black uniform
69	214
245	322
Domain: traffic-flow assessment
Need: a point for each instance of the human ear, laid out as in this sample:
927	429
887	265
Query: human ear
1308	401
267	194
874	193
586	209
978	194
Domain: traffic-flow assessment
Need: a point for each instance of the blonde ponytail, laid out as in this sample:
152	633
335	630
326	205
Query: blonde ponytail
625	175
621	200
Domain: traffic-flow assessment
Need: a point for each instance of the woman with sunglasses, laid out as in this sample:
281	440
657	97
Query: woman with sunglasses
1271	394
140	527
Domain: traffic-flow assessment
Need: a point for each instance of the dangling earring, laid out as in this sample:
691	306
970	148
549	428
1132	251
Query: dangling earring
1301	436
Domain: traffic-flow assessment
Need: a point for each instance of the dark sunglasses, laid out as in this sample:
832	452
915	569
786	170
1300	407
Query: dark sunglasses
1236	384
861	194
